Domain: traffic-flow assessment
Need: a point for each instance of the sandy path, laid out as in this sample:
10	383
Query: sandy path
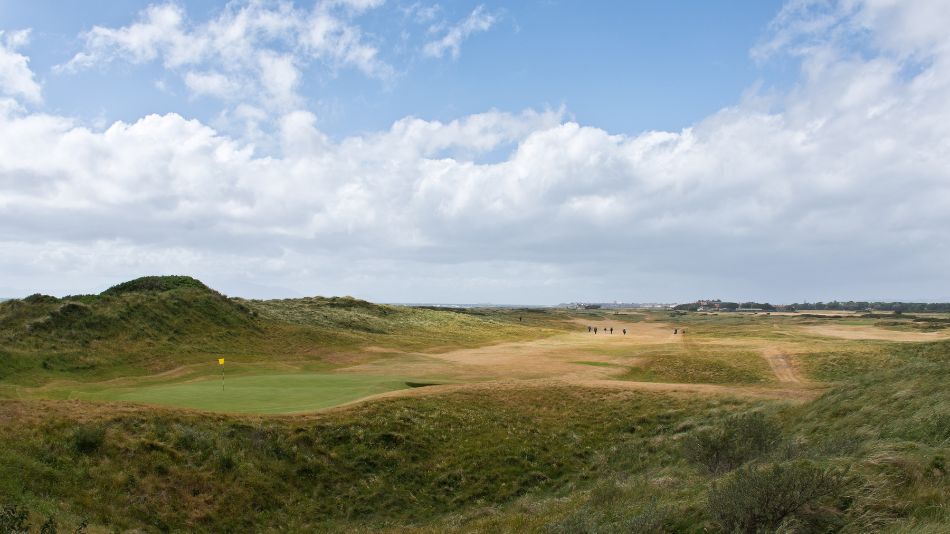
873	332
781	365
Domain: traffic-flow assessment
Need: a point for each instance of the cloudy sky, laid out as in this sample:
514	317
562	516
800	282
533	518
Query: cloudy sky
532	152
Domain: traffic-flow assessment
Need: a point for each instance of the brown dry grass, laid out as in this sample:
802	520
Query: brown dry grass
873	332
560	360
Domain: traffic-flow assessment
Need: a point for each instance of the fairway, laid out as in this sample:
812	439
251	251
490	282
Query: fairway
264	394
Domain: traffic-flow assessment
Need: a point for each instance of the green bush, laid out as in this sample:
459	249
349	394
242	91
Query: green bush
14	519
739	439
88	438
763	498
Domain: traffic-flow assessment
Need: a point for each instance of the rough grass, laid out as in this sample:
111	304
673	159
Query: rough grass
697	363
491	458
135	329
395	462
408	328
834	361
156	283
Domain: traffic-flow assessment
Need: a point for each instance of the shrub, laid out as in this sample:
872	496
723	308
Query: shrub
739	439
88	438
39	298
758	499
14	519
225	460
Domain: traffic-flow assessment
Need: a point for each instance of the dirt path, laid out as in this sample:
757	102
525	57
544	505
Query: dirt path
781	366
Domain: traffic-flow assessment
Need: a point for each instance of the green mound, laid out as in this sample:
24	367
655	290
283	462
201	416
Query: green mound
135	325
156	284
157	323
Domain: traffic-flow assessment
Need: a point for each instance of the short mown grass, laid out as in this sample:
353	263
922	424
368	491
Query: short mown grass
263	394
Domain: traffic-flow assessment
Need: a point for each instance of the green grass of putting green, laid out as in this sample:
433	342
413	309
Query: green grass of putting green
264	394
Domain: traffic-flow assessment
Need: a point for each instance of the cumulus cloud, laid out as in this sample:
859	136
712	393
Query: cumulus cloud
16	78
249	49
479	20
837	188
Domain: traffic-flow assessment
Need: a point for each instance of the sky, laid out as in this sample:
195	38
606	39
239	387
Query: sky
532	152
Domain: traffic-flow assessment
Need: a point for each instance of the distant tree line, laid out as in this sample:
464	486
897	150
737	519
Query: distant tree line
852	305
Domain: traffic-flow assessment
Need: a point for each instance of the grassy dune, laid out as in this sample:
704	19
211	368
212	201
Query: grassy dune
564	459
155	324
395	462
865	449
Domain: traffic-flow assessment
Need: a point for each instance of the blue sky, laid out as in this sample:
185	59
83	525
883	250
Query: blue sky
628	67
532	152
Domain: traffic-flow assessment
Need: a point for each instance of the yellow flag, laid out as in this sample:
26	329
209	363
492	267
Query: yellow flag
220	361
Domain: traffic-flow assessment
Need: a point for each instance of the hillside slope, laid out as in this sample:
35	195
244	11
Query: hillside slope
869	456
157	323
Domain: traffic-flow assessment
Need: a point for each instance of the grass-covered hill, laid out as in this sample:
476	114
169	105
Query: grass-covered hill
157	323
149	324
861	446
870	455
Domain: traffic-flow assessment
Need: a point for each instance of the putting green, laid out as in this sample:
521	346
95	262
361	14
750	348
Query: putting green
266	393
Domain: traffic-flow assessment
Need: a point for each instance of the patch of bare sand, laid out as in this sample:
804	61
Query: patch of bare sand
781	365
551	357
642	332
555	361
873	332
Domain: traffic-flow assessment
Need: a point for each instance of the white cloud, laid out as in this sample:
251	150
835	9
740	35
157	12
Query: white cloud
257	47
357	5
838	188
160	33
16	78
422	13
211	83
325	36
477	21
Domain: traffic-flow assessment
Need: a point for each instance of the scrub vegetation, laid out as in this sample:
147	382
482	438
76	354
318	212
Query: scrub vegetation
489	420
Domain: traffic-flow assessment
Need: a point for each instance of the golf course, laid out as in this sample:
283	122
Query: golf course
336	414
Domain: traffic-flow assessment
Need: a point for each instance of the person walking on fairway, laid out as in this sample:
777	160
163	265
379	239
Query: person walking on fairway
611	330
588	329
595	330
